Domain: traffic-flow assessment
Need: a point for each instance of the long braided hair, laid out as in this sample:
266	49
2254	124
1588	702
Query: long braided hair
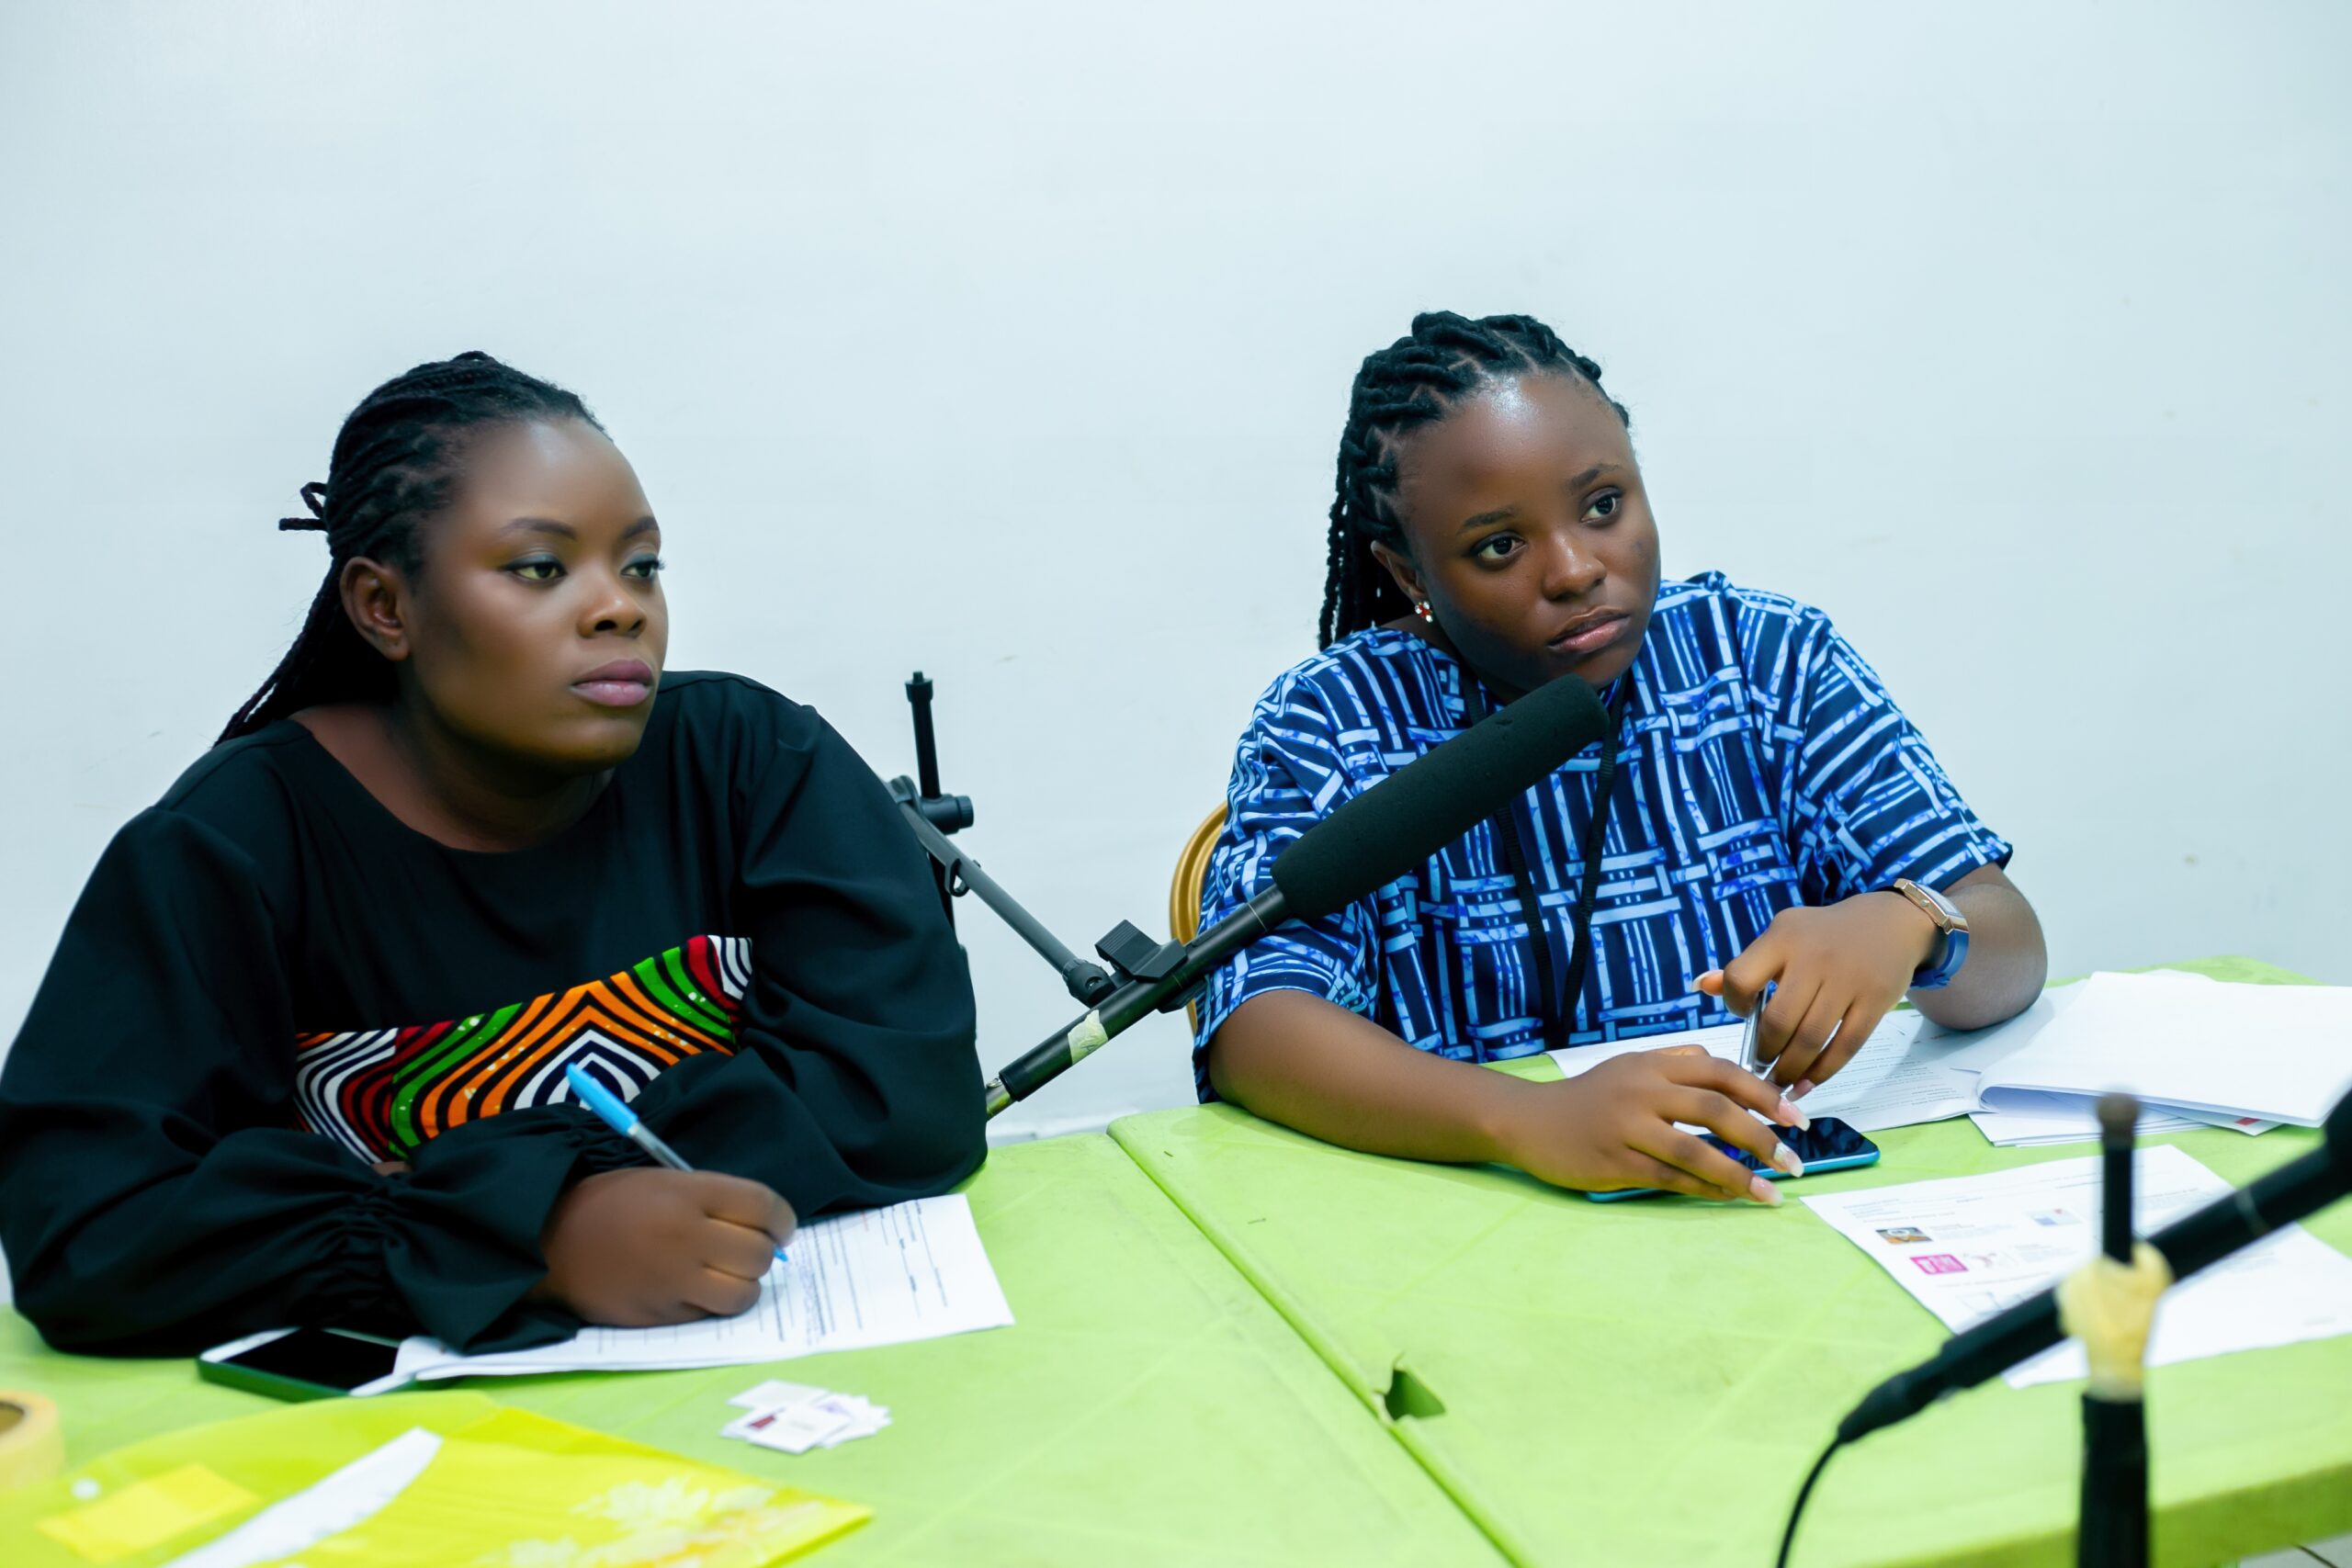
1417	380
396	464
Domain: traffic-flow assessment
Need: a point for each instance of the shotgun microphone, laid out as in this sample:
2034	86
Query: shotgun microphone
1367	843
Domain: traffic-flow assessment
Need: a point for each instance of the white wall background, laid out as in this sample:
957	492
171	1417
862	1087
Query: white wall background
1012	341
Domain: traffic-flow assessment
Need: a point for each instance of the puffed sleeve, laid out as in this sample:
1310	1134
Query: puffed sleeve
855	1080
157	1197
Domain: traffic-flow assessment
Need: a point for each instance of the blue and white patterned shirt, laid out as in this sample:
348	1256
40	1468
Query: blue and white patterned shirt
1762	766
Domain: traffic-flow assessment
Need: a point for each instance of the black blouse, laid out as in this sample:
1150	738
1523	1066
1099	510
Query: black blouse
271	983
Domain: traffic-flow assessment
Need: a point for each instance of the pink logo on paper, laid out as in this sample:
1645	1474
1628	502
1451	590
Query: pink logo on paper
1940	1263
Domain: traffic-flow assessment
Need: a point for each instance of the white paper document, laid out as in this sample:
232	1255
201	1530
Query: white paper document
913	1270
2198	1051
2277	1053
1902	1075
1967	1247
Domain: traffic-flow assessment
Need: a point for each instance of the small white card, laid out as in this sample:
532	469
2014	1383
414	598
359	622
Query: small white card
771	1393
794	1417
859	1419
794	1428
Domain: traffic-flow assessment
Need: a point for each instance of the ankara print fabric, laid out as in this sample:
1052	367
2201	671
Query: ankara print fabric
382	1092
1762	766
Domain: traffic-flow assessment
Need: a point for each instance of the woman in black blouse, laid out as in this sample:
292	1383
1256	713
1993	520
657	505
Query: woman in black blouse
298	1059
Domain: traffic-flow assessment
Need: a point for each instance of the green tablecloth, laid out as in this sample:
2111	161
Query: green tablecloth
1147	1408
1591	1384
1646	1382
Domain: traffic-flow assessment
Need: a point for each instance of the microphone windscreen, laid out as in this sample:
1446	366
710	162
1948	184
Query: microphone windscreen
1392	828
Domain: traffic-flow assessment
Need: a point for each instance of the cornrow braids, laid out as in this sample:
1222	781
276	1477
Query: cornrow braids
397	463
1417	380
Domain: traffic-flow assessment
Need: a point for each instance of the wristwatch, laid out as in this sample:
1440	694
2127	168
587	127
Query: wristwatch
1939	969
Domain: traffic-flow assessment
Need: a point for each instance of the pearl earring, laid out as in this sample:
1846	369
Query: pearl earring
1421	608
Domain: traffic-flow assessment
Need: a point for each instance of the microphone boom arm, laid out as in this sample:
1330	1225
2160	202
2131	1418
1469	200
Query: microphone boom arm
1168	977
962	873
1366	843
1116	997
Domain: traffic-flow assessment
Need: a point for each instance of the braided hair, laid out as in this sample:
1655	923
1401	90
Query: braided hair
396	464
1417	380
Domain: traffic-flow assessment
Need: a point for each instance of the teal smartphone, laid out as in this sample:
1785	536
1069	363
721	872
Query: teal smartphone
1828	1145
300	1363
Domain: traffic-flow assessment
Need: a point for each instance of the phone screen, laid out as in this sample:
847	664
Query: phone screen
1827	1145
1827	1139
320	1356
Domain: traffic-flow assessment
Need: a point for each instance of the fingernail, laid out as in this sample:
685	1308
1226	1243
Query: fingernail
1805	1087
1786	1158
1763	1191
1790	1115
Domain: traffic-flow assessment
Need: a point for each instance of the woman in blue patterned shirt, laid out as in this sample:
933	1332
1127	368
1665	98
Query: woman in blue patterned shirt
1767	815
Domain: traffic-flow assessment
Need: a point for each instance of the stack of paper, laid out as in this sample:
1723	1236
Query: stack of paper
2029	1123
2185	1044
792	1418
910	1271
2078	1122
1970	1245
2198	1051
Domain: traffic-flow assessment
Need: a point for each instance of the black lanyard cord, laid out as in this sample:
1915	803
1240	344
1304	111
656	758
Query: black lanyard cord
1558	1007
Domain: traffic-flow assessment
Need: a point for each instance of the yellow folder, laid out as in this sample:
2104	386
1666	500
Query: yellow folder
475	1484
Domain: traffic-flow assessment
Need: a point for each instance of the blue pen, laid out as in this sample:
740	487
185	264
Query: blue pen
622	1119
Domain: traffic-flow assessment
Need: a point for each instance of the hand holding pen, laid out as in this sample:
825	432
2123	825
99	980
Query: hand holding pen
658	1245
1819	980
616	1115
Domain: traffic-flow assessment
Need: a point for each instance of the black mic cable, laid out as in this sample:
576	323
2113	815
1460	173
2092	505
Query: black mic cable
1789	1535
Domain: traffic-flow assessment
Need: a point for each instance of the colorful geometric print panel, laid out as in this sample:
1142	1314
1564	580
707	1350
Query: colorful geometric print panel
382	1092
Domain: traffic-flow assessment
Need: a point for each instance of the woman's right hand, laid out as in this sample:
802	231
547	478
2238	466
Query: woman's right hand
641	1248
1614	1126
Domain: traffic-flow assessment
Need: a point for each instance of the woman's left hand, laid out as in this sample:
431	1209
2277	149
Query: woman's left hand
1836	972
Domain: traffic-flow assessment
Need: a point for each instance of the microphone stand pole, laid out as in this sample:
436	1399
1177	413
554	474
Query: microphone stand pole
2110	1304
1131	955
922	802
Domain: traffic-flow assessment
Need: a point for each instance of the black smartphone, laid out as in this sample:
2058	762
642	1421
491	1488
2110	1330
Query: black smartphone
1828	1145
300	1363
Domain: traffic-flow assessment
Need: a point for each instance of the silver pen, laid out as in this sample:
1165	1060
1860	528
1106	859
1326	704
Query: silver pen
1748	1061
1793	1164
